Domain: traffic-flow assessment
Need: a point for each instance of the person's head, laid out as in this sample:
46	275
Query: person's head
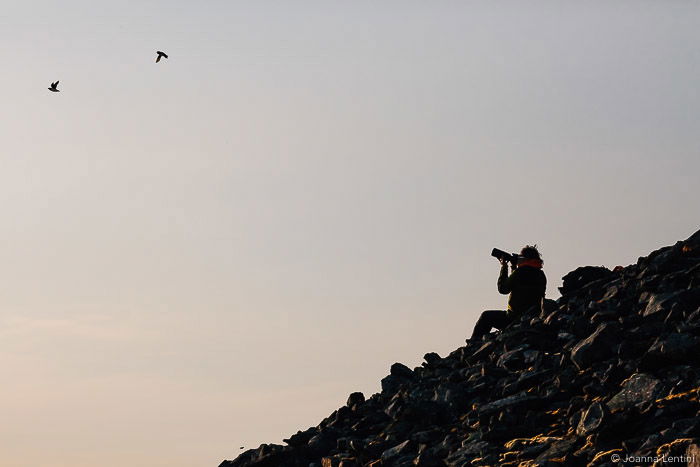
530	256
530	252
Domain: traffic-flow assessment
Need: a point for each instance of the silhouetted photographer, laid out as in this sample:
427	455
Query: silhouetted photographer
526	285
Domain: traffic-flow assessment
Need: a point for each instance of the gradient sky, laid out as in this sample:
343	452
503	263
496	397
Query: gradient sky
214	251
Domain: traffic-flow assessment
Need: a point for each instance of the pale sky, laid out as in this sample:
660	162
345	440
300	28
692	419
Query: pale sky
215	250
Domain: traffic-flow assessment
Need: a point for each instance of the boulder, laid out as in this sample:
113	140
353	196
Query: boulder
598	346
354	399
582	276
637	391
592	419
432	358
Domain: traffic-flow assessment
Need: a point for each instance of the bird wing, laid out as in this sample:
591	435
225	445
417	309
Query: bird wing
158	59
56	83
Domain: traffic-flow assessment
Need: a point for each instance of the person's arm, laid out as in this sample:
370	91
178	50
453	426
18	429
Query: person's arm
503	279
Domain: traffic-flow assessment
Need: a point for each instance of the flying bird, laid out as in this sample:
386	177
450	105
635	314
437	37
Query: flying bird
54	87
160	55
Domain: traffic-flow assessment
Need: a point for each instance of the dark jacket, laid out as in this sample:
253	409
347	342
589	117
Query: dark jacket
526	286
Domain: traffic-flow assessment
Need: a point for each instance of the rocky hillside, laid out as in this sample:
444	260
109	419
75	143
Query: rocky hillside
609	374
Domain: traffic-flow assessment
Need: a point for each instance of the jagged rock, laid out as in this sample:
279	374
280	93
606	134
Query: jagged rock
638	390
395	408
454	395
354	399
509	403
659	303
391	384
596	347
301	438
400	450
512	360
323	441
400	375
672	348
402	371
467	452
609	368
579	277
432	358
558	449
484	350
592	419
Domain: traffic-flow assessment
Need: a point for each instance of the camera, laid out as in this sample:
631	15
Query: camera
500	254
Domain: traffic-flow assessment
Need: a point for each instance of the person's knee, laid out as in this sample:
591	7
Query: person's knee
490	314
488	320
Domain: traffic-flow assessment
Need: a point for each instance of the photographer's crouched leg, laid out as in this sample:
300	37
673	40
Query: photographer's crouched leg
498	319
